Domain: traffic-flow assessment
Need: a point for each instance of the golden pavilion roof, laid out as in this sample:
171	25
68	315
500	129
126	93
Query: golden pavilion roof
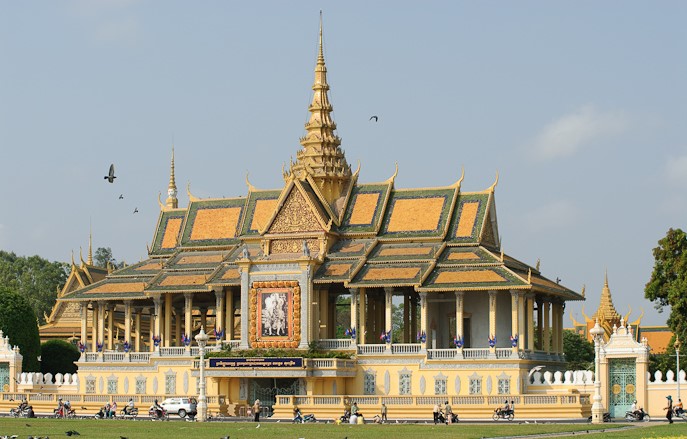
354	234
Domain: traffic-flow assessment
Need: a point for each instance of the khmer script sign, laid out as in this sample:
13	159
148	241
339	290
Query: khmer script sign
249	363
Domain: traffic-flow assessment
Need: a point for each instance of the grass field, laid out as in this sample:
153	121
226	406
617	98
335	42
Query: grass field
144	429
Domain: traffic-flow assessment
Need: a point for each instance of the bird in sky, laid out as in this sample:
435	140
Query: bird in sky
110	175
136	210
121	196
375	118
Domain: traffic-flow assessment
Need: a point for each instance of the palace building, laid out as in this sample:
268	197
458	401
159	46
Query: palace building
322	262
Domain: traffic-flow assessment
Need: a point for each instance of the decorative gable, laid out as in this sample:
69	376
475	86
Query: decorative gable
295	216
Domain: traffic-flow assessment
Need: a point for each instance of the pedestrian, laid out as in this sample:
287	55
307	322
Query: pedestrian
669	409
256	410
435	412
448	412
384	419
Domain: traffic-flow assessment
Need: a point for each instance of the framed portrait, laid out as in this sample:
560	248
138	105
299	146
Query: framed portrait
275	318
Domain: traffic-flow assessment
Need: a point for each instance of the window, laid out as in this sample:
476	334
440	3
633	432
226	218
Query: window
404	384
504	386
90	385
112	386
475	386
440	386
170	384
370	384
140	386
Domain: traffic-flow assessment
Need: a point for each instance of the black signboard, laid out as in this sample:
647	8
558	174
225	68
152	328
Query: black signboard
258	363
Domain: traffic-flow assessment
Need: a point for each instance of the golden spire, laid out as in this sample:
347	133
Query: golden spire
606	311
172	202
322	157
90	246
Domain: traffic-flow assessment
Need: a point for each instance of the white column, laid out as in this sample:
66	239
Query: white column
514	317
362	331
110	325
354	310
188	310
94	328
522	327
407	333
127	321
84	323
530	322
219	309
167	337
460	306
492	314
177	327
388	309
229	315
423	317
157	300
139	332
101	323
547	328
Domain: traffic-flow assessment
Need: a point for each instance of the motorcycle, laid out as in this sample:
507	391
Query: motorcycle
131	413
345	417
606	418
162	416
503	414
441	418
20	413
682	414
59	413
637	416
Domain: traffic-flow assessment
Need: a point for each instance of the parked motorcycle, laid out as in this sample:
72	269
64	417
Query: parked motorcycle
606	418
155	416
637	416
441	418
58	413
20	413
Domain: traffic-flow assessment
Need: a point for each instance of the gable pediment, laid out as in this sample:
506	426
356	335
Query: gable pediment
296	215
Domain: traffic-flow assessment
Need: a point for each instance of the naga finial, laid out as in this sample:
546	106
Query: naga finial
393	177
191	197
251	188
496	182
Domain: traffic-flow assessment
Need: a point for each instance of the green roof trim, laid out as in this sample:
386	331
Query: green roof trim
197	206
482	200
467	256
148	267
194	260
437	230
390	275
350	249
390	252
162	222
358	190
216	277
339	270
176	284
253	198
472	278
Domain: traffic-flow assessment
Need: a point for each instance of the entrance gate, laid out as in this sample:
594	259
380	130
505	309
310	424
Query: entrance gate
622	385
5	377
267	389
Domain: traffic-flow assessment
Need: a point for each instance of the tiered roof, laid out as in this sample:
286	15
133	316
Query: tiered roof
356	234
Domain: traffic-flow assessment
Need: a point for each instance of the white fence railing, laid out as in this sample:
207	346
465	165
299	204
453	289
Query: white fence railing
367	349
336	343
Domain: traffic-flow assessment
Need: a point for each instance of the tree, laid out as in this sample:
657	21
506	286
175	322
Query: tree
58	356
103	255
34	278
668	283
18	322
579	353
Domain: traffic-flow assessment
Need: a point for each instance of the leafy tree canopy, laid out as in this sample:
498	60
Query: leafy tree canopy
18	322
103	255
668	283
58	356
34	278
579	352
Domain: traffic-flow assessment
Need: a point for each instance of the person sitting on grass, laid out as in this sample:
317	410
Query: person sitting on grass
297	417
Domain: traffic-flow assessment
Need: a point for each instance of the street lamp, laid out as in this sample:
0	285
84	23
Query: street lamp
202	340
597	407
676	345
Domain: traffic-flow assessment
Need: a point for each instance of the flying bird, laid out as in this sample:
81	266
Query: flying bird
121	196
136	210
110	175
558	280
375	118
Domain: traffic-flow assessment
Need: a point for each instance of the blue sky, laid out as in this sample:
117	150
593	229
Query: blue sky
580	106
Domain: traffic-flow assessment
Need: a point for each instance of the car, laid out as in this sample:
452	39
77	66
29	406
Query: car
180	406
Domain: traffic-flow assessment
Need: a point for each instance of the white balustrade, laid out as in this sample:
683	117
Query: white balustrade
405	348
336	343
368	349
476	353
441	354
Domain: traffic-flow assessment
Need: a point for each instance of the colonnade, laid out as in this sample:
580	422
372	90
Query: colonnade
157	318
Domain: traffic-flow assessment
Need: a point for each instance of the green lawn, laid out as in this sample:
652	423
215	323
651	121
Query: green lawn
145	429
653	430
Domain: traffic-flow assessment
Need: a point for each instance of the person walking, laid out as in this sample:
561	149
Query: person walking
435	412
669	409
256	410
448	412
384	419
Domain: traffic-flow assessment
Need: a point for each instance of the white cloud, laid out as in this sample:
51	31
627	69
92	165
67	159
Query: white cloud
567	135
555	215
676	169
